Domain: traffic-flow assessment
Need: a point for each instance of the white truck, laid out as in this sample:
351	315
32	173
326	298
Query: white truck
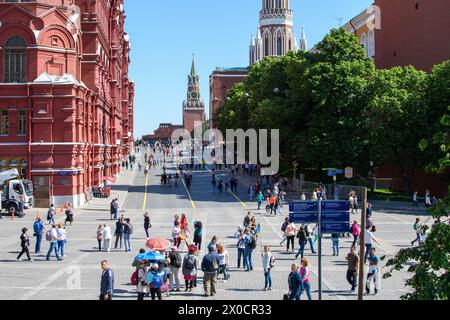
12	188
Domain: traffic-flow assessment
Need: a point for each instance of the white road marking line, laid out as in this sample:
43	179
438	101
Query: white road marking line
53	277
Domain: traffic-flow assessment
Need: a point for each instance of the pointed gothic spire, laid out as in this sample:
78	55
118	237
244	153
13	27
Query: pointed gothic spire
193	70
303	41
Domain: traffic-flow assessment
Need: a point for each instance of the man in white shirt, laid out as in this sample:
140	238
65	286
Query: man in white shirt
53	243
107	235
369	239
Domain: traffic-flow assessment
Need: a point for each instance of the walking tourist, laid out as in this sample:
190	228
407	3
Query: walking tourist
107	282
24	244
189	269
268	262
39	230
210	266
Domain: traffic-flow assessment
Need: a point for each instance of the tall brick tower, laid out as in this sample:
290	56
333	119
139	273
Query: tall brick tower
193	106
275	35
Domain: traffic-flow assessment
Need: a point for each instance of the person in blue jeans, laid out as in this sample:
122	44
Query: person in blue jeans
260	199
335	239
268	263
62	238
241	248
39	230
310	235
128	231
248	251
306	279
302	241
53	244
369	241
295	283
51	215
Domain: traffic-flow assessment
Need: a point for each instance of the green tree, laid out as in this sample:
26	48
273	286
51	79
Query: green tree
399	116
336	82
430	263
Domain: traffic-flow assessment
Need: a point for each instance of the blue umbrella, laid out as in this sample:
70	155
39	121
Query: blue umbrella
140	257
153	256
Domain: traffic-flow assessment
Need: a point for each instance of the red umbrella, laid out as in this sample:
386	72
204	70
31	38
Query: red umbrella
110	179
158	244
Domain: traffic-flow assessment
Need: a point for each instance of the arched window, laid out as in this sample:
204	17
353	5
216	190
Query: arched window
290	45
363	42
279	46
266	46
15	60
371	45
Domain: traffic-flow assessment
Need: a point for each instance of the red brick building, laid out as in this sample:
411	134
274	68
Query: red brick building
401	33
193	106
66	102
163	133
404	32
220	81
413	32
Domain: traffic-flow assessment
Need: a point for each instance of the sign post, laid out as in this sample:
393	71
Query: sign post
330	216
362	246
319	225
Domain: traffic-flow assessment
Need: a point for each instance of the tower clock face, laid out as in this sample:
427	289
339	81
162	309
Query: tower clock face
193	95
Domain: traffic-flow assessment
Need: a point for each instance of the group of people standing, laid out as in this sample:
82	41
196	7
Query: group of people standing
123	232
56	236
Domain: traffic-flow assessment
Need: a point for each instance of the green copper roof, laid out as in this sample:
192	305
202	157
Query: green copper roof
236	69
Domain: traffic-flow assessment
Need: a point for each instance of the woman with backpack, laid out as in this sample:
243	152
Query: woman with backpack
417	227
250	245
141	280
302	241
190	269
268	262
198	234
100	237
156	279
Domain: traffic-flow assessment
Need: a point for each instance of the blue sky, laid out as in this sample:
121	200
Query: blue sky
165	33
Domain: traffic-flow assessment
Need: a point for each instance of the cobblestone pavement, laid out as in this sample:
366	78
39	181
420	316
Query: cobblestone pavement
78	276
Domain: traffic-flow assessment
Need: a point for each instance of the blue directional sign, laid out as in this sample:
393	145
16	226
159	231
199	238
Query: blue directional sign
335	206
335	214
335	227
303	217
303	206
335	172
303	211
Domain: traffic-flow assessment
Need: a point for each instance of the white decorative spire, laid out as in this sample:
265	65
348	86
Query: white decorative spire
303	41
